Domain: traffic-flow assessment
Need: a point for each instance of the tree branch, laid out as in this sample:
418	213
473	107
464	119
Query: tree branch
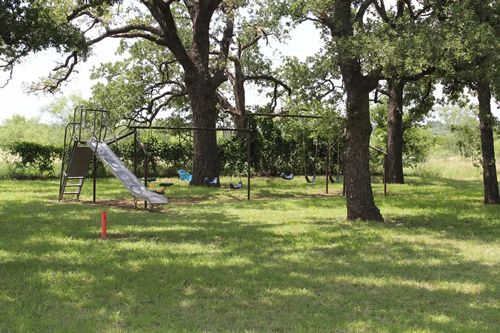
271	78
383	13
362	10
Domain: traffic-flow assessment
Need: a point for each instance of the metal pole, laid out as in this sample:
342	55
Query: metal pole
283	115
145	175
227	129
327	166
135	152
385	175
94	162
249	137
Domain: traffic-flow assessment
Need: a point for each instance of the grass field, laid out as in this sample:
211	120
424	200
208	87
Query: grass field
284	262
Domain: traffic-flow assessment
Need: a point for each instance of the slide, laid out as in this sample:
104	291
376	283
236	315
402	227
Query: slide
126	177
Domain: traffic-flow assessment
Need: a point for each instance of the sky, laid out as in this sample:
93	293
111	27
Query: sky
15	100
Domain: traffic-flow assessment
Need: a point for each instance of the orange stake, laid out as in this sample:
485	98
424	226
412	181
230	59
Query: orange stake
103	225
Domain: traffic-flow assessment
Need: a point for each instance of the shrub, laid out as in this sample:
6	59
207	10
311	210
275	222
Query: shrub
35	160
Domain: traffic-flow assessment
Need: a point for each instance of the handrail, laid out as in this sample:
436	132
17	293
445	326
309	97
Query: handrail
81	116
283	115
64	152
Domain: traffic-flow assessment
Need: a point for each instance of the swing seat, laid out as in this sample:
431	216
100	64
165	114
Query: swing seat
311	180
159	190
287	177
184	175
212	182
337	179
150	179
236	186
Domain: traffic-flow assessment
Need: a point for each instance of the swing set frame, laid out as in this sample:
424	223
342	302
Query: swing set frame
328	157
249	130
136	129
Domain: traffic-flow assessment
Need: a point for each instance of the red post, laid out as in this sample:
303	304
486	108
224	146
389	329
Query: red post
103	225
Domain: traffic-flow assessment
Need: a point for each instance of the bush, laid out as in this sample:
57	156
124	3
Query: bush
35	160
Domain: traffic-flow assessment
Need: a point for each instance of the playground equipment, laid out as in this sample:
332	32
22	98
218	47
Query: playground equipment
84	142
309	179
211	182
183	174
287	177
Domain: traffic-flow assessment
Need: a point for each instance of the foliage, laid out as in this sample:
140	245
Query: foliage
276	146
464	126
468	142
19	128
417	138
136	87
29	26
473	47
62	108
35	159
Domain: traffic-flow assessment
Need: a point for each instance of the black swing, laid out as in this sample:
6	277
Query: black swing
237	186
211	182
287	177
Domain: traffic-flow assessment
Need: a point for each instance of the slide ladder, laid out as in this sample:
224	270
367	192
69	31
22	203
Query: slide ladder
74	171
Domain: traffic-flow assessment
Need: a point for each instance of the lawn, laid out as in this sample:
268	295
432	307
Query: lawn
285	262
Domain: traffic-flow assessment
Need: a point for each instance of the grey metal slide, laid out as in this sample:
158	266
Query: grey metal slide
126	177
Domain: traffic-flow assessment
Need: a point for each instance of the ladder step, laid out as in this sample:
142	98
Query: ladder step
71	192
74	185
74	177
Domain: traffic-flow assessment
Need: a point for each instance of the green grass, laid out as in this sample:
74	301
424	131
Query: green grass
284	262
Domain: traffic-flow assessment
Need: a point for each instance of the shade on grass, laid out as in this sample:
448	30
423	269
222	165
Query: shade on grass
287	261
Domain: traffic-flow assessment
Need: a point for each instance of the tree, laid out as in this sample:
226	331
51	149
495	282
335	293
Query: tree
196	33
415	31
360	39
342	24
249	65
475	65
415	93
136	89
28	26
417	137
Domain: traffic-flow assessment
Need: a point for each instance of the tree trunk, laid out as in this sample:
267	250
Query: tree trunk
490	182
395	141
360	203
240	114
205	152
